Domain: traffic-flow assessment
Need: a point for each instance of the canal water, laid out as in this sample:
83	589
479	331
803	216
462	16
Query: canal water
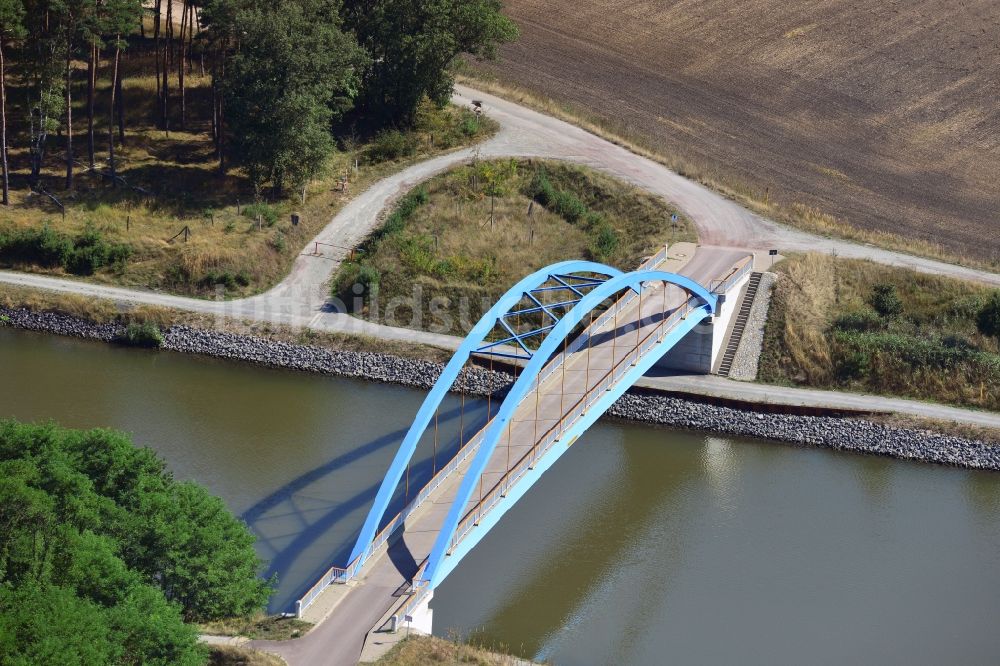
641	546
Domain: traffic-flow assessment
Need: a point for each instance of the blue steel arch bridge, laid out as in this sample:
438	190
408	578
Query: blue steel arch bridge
579	334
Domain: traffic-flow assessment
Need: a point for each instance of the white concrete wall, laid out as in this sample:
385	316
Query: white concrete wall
700	349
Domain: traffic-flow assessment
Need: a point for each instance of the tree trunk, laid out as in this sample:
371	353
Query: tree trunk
119	100
69	118
156	44
181	52
167	60
192	28
115	90
91	83
3	128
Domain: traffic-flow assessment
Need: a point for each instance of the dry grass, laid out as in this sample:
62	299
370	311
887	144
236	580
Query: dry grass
269	627
422	650
102	310
449	249
795	214
822	332
186	190
231	655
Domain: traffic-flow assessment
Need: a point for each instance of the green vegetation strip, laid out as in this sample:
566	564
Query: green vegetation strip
847	324
451	246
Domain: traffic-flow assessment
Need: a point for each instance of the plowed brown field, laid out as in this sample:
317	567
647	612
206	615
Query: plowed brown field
885	114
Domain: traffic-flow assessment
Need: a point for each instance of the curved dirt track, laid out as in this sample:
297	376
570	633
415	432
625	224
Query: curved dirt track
301	298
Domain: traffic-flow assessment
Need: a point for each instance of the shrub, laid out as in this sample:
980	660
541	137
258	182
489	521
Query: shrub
369	277
988	317
231	281
569	207
146	334
267	212
91	252
408	205
603	241
886	300
541	189
44	247
469	126
391	145
858	321
278	242
854	364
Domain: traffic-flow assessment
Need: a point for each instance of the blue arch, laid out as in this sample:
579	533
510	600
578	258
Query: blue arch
432	573
440	389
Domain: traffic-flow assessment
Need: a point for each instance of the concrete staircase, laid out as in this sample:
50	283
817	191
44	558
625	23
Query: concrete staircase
739	325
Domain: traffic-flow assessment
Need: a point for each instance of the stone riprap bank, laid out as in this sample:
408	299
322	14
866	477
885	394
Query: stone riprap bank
844	434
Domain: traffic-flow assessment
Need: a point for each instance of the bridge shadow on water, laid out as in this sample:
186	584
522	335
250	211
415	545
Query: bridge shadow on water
311	522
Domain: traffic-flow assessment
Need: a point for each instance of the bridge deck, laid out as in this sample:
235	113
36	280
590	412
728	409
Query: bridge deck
386	577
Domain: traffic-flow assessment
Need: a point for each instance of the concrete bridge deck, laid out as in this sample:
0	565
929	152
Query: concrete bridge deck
584	368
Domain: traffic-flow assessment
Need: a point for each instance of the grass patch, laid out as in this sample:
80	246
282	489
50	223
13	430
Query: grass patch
269	628
181	188
421	650
231	655
453	245
143	334
794	214
857	325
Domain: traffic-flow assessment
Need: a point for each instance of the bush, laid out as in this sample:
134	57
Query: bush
604	241
854	364
391	145
569	207
859	321
267	212
408	205
541	189
886	300
83	255
278	242
988	317
146	334
469	126
231	281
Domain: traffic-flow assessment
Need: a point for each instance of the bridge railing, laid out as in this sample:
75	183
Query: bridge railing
556	431
343	575
620	304
738	272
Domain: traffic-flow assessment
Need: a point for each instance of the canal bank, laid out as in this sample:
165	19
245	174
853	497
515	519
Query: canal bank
838	431
641	544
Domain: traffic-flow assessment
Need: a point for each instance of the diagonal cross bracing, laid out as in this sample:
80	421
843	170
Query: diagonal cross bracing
370	539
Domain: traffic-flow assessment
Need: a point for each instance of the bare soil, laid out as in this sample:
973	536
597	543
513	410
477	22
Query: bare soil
882	114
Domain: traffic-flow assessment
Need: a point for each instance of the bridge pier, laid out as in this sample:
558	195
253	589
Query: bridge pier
701	350
421	619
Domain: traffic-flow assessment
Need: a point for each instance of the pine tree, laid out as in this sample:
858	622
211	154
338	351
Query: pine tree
11	28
